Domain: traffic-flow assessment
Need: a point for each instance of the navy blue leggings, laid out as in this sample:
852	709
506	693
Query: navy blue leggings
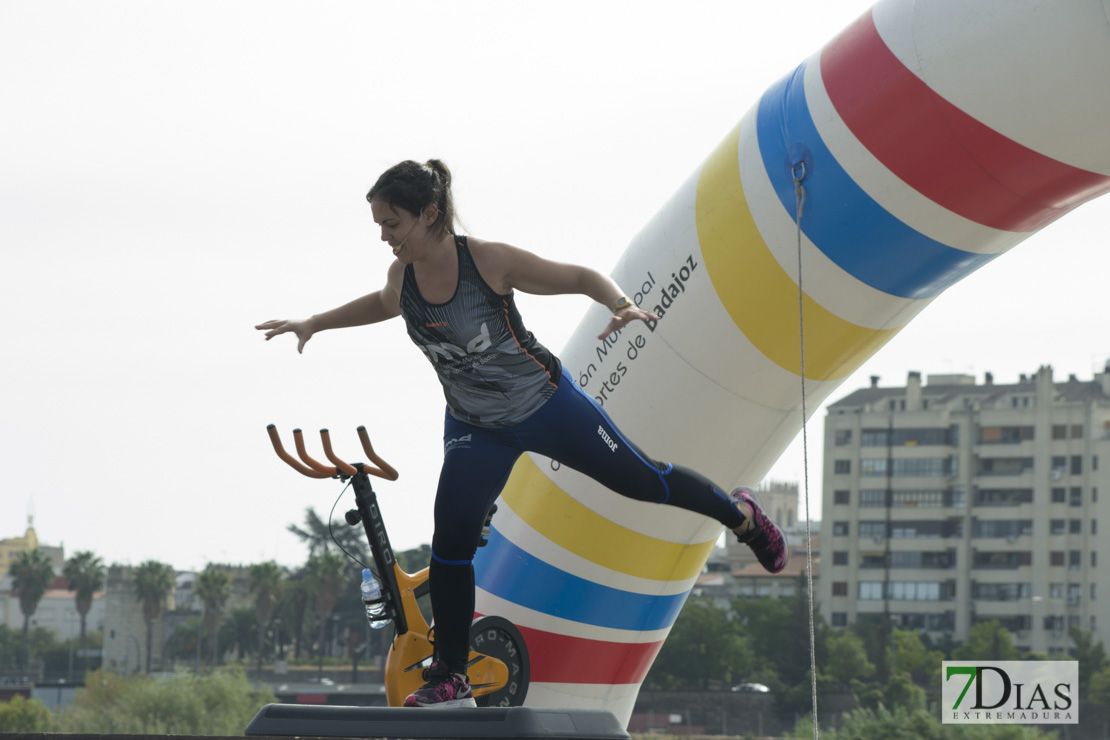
569	428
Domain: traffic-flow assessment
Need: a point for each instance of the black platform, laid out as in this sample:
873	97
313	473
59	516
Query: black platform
503	723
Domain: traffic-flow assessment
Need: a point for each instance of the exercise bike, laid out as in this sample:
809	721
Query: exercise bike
498	665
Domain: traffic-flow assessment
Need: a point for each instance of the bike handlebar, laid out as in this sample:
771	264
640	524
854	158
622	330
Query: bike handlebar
315	469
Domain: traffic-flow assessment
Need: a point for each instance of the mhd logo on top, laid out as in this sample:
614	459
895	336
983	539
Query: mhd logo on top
1028	692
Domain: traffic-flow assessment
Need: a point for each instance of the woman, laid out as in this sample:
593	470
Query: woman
506	394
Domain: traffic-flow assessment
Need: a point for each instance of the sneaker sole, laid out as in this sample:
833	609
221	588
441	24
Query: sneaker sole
785	540
450	704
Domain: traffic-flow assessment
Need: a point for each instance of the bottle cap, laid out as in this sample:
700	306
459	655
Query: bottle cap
367	574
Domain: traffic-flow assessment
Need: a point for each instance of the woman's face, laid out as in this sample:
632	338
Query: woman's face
397	225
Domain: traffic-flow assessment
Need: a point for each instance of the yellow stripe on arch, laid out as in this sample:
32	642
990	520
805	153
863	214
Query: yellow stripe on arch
560	518
757	292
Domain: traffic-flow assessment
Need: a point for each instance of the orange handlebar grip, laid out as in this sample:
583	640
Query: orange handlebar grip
275	440
384	469
325	437
298	438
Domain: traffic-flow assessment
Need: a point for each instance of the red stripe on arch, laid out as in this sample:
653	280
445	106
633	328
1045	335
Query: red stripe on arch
554	658
939	150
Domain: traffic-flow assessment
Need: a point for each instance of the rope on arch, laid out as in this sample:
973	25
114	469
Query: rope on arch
799	172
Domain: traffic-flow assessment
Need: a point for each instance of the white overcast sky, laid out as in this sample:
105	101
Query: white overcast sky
172	173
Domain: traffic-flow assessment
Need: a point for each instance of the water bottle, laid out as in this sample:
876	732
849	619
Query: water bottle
372	592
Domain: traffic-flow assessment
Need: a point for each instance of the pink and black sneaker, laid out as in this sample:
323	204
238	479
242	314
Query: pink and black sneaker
764	537
444	690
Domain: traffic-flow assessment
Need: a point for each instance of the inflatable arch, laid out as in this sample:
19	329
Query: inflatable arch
929	138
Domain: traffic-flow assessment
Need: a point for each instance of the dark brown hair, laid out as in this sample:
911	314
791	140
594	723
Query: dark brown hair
413	186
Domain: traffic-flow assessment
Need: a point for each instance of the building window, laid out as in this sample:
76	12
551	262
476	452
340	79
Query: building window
1057	526
1094	559
842	529
1077	465
1059	496
872	466
1059	466
842	467
959	497
872	499
840	588
840	557
1056	558
1001	527
1074	559
842	437
1056	590
842	497
874	438
872	560
840	619
921	499
1075	526
915	437
871	590
923	467
1076	497
1059	431
1077	431
1094	526
1005	435
872	529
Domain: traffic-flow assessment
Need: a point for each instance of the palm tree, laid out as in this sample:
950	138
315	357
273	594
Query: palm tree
153	584
239	632
320	536
85	574
298	592
325	573
32	574
213	588
267	583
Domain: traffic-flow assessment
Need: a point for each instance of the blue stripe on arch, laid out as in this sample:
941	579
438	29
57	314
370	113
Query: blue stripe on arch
844	222
506	571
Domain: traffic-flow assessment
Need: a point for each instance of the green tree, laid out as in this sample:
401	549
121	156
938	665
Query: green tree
1089	653
986	641
220	704
267	583
239	632
703	645
32	574
914	659
298	595
184	642
1099	687
213	589
25	716
326	572
416	559
153	584
847	659
9	647
85	574
322	536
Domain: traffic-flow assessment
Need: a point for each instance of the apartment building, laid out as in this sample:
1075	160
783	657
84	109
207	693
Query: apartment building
950	502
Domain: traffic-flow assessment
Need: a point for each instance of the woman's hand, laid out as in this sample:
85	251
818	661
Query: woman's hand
626	316
303	329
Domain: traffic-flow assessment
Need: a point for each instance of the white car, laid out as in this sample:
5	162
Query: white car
755	687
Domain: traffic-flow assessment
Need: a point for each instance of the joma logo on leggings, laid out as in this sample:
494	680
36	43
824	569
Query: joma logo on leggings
608	440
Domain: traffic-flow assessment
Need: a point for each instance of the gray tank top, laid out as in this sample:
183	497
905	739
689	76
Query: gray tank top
493	371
